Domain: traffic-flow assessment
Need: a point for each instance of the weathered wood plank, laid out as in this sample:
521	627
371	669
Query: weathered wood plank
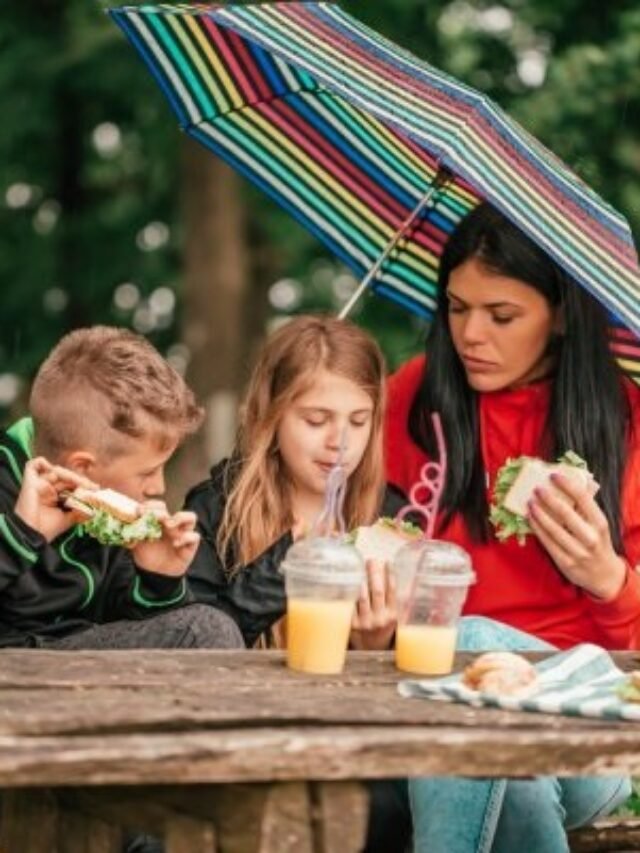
606	836
292	753
79	833
267	817
339	816
157	668
101	711
285	826
187	835
29	822
51	693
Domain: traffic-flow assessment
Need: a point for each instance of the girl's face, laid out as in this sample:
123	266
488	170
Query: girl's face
309	435
500	327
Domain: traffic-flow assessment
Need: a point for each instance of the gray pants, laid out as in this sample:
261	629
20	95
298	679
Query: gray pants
195	626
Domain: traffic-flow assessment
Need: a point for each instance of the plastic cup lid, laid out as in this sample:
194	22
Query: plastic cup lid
324	559
444	564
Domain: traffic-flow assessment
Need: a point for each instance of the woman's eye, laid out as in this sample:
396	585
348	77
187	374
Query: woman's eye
315	422
360	422
502	321
455	309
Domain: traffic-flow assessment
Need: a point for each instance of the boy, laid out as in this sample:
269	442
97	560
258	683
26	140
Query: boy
106	409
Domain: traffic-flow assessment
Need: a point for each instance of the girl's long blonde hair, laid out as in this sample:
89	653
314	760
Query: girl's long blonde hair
258	509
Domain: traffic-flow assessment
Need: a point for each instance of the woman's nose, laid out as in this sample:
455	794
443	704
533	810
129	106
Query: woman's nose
474	328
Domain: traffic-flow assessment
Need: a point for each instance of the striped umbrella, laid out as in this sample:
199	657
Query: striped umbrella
375	152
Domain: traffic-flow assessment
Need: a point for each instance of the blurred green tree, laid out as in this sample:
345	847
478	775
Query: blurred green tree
97	193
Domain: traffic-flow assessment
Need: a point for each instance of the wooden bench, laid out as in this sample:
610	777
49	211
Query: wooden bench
610	835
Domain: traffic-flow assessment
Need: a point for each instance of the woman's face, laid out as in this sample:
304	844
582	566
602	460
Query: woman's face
500	327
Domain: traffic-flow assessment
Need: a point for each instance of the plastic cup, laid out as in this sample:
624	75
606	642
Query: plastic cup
432	581
323	577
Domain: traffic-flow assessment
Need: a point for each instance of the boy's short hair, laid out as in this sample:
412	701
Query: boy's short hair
102	386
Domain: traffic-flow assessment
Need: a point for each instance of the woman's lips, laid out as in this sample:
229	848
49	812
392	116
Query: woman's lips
475	365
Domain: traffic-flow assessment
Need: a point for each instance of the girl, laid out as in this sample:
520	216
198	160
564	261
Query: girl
518	363
317	380
318	383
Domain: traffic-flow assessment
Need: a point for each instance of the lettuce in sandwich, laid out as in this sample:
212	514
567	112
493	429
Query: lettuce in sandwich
514	487
113	518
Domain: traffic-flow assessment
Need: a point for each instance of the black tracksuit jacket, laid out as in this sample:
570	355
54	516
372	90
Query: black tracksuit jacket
254	596
49	590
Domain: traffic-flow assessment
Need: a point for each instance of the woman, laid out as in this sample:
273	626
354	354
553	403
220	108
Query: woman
518	363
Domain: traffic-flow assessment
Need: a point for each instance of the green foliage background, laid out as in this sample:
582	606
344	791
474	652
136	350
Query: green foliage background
65	70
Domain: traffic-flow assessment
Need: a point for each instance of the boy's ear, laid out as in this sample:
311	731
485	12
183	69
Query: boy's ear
80	462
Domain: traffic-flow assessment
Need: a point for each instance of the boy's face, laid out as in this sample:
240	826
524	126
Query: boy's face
137	472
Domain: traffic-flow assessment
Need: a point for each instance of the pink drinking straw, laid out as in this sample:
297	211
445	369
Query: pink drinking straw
429	487
426	493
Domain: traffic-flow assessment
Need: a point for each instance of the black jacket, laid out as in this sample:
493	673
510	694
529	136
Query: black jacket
253	596
57	588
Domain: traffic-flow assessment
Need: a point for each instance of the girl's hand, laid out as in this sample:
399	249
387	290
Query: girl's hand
375	616
575	532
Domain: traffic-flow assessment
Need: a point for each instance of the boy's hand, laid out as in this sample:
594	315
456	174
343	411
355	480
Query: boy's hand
173	553
375	616
39	503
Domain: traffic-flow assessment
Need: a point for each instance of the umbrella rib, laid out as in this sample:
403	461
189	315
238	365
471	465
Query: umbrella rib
442	176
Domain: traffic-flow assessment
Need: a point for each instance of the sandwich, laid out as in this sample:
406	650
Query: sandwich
503	673
113	518
383	539
515	484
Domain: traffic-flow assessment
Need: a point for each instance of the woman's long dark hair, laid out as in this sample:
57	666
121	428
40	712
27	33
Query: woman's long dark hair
589	412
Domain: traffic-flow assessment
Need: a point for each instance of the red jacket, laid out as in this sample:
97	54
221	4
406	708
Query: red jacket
519	584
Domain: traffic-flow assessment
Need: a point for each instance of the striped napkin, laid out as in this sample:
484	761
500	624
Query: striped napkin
579	682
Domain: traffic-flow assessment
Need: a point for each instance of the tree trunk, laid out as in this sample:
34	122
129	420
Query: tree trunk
215	288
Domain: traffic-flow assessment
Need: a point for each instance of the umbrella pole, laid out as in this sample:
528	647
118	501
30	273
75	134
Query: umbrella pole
442	176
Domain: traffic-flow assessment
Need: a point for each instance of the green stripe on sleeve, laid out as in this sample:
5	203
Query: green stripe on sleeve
140	599
18	547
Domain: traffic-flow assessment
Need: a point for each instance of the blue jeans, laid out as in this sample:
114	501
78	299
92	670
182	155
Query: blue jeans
503	815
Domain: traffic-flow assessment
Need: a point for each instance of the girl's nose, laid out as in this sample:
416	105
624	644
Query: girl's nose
338	436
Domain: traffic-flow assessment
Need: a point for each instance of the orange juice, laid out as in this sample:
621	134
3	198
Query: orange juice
425	649
317	634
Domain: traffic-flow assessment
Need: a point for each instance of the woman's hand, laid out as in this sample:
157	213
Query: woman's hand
375	616
575	532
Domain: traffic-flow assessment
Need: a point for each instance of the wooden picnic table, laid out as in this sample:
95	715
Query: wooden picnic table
94	741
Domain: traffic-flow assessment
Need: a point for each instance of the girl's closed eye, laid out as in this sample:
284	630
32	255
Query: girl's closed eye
503	320
315	420
360	421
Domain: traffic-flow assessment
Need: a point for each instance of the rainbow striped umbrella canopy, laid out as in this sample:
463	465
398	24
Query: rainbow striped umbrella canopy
375	151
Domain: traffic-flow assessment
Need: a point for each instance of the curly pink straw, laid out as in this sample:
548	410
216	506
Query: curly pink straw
430	485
